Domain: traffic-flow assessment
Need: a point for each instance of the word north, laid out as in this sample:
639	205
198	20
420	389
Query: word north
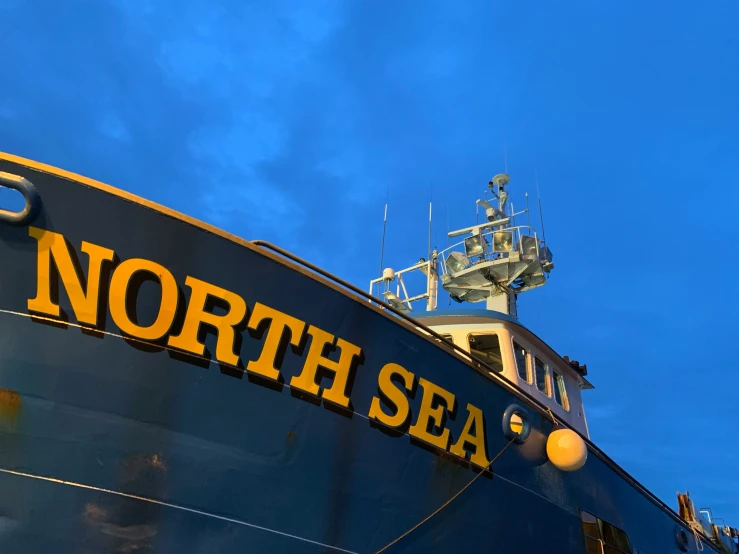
179	325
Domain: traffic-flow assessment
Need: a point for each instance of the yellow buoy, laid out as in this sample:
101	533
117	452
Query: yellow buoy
566	450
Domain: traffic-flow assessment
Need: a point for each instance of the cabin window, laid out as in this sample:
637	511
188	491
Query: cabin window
615	539
520	353
487	349
448	337
541	371
560	392
603	538
592	534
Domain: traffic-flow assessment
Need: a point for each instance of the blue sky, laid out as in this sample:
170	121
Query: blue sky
292	124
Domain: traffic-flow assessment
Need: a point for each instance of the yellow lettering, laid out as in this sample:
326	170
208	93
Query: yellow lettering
84	302
477	440
196	315
306	381
393	394
121	304
428	412
265	365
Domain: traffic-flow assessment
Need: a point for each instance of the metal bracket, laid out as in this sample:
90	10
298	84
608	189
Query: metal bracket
30	194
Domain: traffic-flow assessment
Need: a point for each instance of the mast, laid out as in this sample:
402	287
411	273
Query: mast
494	262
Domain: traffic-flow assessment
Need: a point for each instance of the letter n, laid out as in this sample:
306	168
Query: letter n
83	293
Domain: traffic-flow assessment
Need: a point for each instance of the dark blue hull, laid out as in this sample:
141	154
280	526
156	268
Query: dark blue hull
113	444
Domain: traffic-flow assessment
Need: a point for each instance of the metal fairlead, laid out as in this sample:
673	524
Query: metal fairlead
30	194
681	538
516	423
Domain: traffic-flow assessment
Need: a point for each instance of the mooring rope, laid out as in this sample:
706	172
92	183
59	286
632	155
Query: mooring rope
440	508
698	541
554	419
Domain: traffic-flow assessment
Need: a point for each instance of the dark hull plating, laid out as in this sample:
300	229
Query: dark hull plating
107	445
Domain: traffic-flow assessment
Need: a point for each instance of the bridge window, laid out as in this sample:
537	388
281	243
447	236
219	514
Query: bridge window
603	538
541	370
560	392
487	349
521	359
592	533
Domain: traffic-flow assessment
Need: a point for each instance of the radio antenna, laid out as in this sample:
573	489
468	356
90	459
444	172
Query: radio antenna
541	213
505	149
477	210
384	228
429	249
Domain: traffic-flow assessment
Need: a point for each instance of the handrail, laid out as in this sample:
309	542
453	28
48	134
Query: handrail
376	300
532	402
443	254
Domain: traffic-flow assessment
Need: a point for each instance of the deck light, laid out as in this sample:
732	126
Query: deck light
456	261
529	246
474	246
395	302
502	241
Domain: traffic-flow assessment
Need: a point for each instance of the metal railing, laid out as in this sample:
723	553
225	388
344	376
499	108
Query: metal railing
383	283
488	240
437	266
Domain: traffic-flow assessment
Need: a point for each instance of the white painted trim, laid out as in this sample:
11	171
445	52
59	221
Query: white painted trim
508	333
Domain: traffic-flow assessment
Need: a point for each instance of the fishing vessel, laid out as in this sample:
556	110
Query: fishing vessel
168	387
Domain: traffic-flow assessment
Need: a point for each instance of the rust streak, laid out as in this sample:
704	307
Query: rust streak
10	404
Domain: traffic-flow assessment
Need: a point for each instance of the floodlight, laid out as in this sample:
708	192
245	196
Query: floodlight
503	241
474	246
529	246
456	261
395	302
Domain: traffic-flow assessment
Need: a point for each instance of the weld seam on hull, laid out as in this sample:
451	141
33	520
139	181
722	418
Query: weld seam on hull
175	506
107	333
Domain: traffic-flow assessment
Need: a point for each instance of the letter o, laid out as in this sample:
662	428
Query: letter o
119	285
